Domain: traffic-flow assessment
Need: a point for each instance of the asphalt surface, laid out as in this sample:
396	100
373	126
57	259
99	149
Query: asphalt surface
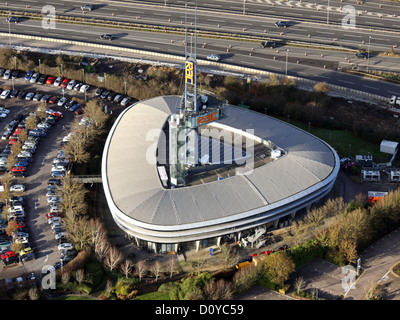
36	207
307	20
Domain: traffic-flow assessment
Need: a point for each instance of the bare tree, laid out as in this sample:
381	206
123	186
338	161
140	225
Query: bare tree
127	267
156	269
113	258
141	269
101	248
298	284
172	266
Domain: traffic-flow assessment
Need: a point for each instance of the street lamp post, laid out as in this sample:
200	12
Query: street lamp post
287	55
369	44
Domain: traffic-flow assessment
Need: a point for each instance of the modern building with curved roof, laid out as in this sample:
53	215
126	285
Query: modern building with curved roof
223	202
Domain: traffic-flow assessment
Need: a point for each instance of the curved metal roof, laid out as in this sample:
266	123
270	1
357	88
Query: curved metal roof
133	187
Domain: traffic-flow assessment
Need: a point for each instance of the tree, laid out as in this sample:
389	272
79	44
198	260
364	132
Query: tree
172	266
228	255
113	258
156	269
80	275
279	266
299	283
127	266
141	269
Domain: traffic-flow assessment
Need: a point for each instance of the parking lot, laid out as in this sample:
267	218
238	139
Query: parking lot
38	172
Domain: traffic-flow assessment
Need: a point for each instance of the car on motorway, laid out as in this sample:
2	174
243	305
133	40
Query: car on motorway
12	19
34	77
214	57
268	44
50	80
17	188
28	75
283	24
71	84
86	7
361	55
106	36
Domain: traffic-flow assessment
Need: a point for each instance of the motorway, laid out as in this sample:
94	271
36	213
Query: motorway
303	26
248	54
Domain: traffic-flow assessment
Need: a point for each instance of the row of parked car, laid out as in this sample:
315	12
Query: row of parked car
16	214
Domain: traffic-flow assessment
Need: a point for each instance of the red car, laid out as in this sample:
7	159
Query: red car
54	214
64	83
53	100
8	254
50	80
18	169
57	114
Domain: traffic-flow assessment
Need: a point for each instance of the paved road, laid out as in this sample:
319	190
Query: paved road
258	21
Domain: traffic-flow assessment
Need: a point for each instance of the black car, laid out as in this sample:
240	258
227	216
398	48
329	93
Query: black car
14	93
361	55
268	44
10	260
283	24
21	95
111	96
20	174
106	37
42	79
14	74
105	93
98	91
19	117
54	182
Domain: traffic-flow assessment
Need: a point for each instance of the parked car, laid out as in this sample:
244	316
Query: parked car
65	246
34	78
57	81
62	101
71	84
